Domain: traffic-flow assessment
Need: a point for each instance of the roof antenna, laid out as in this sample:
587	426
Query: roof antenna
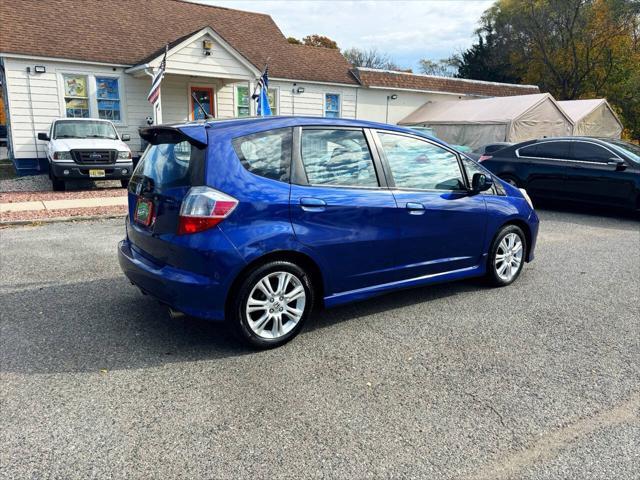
195	99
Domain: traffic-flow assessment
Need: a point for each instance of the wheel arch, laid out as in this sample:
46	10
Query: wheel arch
522	225
303	260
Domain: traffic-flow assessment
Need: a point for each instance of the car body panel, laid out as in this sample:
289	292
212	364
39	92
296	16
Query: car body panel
362	240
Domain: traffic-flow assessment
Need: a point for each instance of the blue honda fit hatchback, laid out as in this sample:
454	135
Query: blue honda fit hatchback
257	220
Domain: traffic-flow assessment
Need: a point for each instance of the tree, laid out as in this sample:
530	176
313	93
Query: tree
570	48
320	41
294	41
446	67
371	58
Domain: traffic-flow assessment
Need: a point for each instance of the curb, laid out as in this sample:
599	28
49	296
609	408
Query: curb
79	218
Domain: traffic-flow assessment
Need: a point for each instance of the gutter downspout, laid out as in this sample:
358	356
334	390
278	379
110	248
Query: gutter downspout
33	125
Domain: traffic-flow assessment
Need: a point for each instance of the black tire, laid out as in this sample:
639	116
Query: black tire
493	275
57	184
124	182
237	312
511	180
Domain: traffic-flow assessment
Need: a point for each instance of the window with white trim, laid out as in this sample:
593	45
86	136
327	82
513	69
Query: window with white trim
332	105
108	98
76	96
243	108
272	93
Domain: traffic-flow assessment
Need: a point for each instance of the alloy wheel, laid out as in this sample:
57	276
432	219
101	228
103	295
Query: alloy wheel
509	257
275	305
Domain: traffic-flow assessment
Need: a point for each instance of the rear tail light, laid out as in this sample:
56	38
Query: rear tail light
203	208
485	157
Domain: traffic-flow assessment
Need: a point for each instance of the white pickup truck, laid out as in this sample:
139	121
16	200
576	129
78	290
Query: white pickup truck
86	148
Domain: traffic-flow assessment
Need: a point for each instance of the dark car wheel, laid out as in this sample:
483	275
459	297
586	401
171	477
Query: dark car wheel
272	304
511	180
506	256
57	184
124	182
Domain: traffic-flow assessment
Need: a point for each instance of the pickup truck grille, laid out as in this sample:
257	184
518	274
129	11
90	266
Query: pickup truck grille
94	157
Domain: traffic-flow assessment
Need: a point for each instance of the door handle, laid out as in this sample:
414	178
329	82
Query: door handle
415	208
311	204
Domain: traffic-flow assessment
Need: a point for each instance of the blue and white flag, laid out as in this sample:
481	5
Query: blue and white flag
262	95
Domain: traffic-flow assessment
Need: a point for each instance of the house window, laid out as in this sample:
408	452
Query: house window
76	98
108	97
243	108
272	93
332	105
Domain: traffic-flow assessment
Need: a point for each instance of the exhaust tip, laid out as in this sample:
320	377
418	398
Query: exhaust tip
175	314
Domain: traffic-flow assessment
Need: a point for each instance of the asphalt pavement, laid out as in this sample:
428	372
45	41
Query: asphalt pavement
538	380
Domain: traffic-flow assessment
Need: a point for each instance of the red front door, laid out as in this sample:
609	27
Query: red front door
205	97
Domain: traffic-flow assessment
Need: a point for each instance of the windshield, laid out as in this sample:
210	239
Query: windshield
84	129
629	149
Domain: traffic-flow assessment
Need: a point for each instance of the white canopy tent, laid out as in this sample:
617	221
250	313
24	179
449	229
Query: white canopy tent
593	118
499	119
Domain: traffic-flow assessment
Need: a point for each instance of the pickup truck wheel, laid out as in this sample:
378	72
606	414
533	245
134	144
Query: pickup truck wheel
124	182
58	185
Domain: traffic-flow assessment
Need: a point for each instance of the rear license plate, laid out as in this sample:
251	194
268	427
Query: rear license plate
94	173
144	212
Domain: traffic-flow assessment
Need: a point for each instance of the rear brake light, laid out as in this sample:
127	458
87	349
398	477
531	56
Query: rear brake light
485	157
203	208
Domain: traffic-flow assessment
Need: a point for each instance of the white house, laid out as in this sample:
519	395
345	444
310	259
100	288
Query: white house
98	62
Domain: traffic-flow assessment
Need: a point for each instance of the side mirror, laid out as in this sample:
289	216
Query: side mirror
481	182
43	136
617	163
126	137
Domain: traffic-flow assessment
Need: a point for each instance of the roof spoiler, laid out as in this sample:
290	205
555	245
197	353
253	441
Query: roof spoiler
194	134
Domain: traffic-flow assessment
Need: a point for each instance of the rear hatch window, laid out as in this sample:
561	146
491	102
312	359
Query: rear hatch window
160	181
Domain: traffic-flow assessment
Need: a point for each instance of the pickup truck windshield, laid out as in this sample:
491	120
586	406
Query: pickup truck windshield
84	129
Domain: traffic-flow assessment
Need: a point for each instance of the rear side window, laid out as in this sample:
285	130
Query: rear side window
554	150
171	165
267	154
337	157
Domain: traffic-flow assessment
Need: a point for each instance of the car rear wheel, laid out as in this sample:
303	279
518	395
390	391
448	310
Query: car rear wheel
506	257
124	182
272	304
57	184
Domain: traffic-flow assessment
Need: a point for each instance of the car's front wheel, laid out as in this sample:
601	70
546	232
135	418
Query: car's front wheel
272	304
57	184
506	256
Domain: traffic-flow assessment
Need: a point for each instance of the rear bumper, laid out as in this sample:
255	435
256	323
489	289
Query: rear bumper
193	294
76	171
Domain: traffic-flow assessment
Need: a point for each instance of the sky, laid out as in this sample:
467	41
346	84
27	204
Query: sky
406	30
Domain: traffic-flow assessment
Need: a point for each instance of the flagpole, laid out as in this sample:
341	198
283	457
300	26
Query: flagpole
157	105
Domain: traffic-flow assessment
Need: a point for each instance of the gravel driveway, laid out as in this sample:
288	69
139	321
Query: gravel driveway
536	380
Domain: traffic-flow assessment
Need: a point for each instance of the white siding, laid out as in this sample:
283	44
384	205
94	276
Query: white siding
220	63
47	102
311	102
372	103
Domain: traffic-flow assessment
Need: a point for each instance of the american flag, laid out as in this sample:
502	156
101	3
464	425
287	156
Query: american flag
262	96
154	93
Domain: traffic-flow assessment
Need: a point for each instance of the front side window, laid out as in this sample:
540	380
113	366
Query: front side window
421	165
590	152
76	97
337	157
332	105
267	154
472	168
84	129
108	96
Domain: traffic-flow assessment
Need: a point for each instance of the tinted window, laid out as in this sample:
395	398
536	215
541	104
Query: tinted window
628	149
419	164
337	157
589	152
558	150
171	165
267	154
